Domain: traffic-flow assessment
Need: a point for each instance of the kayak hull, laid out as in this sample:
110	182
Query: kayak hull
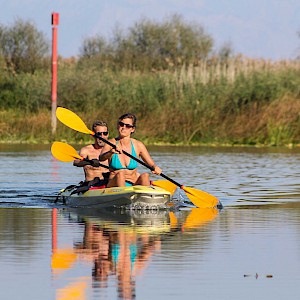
133	197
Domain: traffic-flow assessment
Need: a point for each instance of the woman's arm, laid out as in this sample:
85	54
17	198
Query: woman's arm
144	154
107	151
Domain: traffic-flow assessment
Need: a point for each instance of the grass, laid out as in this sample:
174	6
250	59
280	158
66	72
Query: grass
240	102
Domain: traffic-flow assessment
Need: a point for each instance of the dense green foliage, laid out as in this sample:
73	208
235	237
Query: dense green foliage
23	48
259	108
180	92
150	45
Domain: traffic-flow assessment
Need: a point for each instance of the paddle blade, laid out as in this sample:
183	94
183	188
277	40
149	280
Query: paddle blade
166	185
64	152
200	199
173	220
62	259
71	120
73	291
200	216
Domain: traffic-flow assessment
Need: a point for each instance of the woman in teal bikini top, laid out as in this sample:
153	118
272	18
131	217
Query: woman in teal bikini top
123	170
115	163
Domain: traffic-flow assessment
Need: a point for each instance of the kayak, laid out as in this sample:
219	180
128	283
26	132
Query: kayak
131	197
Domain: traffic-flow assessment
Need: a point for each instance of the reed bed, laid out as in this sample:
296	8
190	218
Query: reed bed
237	101
214	69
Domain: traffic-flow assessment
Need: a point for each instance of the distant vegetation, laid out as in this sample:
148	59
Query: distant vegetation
169	74
23	48
150	46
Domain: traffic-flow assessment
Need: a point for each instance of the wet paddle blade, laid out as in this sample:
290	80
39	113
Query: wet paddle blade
71	120
200	216
166	185
62	259
173	220
64	152
73	291
200	198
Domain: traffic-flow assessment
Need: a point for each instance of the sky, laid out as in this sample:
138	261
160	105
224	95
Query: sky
265	29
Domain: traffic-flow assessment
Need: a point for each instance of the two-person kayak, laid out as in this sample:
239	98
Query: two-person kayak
132	197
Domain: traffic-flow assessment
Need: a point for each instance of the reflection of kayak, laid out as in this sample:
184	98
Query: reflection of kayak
133	197
138	221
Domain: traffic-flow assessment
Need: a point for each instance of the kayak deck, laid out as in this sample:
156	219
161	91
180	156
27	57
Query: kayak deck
132	197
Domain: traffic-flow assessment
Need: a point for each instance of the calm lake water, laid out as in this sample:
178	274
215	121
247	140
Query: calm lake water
248	250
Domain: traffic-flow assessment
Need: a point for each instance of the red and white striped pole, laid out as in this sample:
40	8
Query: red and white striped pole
55	21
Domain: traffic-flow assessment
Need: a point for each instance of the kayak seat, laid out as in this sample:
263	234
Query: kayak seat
96	183
97	187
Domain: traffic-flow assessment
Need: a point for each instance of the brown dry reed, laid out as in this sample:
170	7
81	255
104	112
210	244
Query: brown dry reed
233	102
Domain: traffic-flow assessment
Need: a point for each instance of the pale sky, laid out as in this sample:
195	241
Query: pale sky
255	28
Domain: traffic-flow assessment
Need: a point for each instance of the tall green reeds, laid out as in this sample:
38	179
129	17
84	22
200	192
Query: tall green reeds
239	101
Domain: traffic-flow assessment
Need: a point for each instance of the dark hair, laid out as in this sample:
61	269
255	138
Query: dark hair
129	116
99	123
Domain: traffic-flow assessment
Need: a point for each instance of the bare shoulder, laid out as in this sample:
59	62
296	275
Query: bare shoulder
136	142
138	145
86	149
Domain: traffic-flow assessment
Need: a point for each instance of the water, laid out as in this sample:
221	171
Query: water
248	250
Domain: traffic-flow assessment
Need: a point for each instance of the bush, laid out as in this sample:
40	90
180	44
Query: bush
24	48
150	45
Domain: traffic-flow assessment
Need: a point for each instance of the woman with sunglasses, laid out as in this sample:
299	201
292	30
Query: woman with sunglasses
91	165
123	169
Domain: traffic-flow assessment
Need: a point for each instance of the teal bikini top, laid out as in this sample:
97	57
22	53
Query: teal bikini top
115	163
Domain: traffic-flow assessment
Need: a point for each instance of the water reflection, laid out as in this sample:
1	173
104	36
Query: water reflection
174	255
119	245
22	230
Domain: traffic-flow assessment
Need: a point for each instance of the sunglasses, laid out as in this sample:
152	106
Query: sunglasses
121	124
105	133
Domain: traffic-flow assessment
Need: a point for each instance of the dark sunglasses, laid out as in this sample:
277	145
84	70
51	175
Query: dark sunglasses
105	133
121	124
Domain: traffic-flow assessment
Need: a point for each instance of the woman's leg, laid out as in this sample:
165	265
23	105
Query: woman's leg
117	180
143	179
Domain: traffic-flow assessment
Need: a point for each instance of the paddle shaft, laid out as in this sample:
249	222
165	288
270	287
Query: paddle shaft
88	160
138	160
100	165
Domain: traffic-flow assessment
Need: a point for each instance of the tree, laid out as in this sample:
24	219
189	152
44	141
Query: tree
170	43
225	52
23	47
93	46
150	45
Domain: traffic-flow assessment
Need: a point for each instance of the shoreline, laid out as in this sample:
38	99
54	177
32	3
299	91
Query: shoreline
162	144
